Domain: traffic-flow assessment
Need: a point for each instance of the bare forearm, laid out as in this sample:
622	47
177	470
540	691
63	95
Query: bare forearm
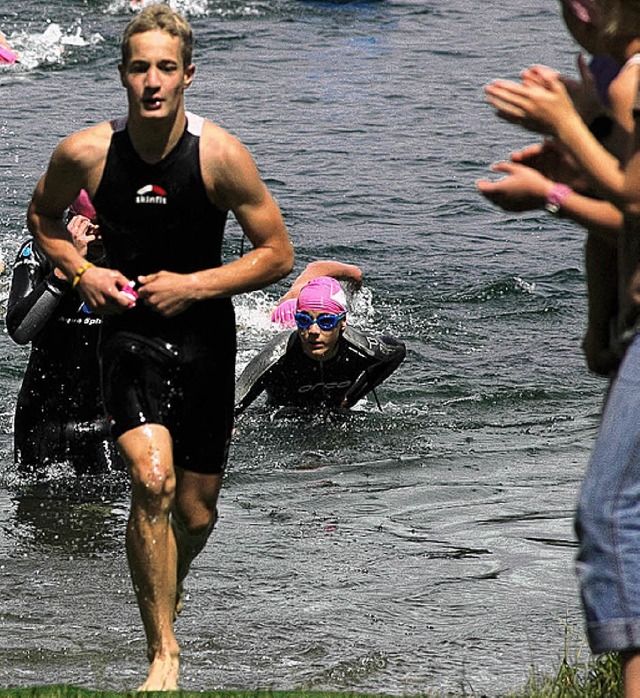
257	269
53	239
600	165
600	217
338	270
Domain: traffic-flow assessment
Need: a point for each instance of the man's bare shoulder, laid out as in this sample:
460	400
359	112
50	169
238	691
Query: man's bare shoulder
229	172
89	144
218	144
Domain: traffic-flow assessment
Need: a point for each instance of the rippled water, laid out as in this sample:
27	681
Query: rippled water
424	547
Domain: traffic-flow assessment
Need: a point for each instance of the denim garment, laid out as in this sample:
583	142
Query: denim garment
608	518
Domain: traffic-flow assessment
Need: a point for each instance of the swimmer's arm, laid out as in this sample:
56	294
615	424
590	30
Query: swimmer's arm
34	295
250	384
257	375
389	354
70	169
236	185
46	224
349	273
251	396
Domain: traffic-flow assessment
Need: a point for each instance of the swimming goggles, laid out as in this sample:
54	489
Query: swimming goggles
325	322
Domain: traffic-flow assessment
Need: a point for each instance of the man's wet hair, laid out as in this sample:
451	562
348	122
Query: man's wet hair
163	18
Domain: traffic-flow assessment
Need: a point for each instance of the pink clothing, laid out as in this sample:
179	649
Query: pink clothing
285	313
82	206
7	55
323	294
584	10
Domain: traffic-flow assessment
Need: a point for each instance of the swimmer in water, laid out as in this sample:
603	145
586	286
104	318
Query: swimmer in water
59	416
324	363
349	275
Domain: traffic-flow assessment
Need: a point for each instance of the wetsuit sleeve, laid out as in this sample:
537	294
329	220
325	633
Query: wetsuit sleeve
254	377
35	293
386	354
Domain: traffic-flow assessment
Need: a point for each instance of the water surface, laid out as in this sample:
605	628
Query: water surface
427	546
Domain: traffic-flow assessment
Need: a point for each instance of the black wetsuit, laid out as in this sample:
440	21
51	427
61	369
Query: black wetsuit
176	371
291	378
59	414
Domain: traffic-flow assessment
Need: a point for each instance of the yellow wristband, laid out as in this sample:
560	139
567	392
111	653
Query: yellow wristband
79	272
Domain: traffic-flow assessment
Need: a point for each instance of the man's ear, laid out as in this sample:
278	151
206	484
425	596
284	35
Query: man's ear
189	74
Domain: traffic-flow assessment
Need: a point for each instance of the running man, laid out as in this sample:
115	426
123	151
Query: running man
163	181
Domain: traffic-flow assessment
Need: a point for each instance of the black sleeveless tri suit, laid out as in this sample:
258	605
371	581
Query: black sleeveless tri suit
176	371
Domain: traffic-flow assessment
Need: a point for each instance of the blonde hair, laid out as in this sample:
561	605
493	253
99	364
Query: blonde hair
620	18
165	19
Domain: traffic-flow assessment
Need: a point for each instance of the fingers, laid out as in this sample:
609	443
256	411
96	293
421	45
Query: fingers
527	153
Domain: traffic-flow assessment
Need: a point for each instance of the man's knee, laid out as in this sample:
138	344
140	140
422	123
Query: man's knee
196	501
197	519
148	454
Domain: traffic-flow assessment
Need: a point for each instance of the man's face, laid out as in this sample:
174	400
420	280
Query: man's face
318	344
154	76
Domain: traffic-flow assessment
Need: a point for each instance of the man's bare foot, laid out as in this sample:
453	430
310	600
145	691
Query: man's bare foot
163	674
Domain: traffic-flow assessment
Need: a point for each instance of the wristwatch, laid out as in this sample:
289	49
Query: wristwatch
556	196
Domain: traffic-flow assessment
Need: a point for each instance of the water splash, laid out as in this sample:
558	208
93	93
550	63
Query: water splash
49	47
187	7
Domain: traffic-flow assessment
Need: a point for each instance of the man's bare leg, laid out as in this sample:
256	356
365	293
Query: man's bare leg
193	518
151	548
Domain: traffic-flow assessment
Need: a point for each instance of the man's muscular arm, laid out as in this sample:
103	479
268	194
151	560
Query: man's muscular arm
233	183
75	163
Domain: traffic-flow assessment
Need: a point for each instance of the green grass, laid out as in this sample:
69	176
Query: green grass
599	678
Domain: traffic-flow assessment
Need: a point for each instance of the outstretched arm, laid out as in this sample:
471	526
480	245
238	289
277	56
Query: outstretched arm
524	189
285	310
548	103
348	273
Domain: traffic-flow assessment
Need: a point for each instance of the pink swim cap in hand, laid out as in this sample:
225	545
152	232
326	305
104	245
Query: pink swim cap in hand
7	55
323	294
285	313
82	206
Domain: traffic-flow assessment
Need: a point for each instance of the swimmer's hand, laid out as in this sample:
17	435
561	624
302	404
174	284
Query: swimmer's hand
101	290
83	231
168	293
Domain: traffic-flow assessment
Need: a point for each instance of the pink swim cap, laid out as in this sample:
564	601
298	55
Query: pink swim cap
7	55
82	206
323	294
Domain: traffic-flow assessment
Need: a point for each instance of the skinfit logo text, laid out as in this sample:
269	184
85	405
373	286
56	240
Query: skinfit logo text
151	194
